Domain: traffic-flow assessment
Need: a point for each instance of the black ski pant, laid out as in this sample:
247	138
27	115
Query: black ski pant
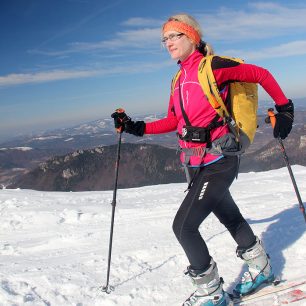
210	193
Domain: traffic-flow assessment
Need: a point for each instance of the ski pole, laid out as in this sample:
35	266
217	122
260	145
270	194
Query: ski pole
271	119
108	288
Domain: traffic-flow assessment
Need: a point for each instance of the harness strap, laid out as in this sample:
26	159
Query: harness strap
196	151
190	172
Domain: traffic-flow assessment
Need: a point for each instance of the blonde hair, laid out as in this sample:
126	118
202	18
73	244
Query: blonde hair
203	47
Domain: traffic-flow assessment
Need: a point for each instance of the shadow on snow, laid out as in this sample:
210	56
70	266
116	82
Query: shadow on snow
286	228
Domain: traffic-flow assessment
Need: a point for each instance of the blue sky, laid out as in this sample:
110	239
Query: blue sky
69	61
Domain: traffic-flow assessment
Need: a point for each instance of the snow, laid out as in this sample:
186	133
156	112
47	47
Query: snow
54	245
17	148
69	139
43	138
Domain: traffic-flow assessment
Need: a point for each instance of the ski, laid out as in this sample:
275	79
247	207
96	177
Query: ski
285	292
276	298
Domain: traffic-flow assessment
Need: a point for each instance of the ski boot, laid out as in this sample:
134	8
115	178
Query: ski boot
259	269
209	288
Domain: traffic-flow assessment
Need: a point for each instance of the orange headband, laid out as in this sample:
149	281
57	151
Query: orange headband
182	27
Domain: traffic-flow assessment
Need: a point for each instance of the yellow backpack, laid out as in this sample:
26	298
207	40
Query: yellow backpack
241	114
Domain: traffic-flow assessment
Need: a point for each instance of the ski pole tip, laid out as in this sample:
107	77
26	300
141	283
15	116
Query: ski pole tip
107	289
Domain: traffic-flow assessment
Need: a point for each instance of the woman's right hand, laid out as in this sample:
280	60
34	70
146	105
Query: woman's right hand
120	118
124	123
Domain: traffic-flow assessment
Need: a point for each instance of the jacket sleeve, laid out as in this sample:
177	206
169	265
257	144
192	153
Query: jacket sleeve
251	74
164	125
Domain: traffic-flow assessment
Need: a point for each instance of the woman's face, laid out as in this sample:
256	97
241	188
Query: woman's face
180	46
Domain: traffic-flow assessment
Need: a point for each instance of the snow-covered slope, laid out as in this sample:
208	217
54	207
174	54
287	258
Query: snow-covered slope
54	246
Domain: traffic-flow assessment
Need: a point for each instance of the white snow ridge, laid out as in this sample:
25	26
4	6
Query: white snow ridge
54	245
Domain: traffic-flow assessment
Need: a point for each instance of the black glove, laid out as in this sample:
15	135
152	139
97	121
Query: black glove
136	128
124	123
120	118
284	119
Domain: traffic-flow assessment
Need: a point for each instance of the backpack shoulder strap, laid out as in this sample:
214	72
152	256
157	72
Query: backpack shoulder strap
209	85
175	78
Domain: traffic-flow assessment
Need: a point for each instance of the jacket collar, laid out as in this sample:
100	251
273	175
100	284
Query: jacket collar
191	60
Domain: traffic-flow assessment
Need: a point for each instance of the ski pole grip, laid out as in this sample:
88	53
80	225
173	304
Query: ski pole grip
271	117
120	111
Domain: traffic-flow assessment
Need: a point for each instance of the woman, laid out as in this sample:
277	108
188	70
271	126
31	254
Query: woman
209	191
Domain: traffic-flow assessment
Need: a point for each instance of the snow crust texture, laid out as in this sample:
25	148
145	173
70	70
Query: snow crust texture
54	246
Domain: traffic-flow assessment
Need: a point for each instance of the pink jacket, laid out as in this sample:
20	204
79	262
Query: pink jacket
199	111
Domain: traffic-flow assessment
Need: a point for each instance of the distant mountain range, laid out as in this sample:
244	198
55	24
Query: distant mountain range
86	135
93	169
140	165
101	132
20	156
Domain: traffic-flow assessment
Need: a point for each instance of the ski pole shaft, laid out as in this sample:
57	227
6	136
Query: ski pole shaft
301	205
107	288
271	119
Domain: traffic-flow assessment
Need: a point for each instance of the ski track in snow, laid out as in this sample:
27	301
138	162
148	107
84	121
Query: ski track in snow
54	246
